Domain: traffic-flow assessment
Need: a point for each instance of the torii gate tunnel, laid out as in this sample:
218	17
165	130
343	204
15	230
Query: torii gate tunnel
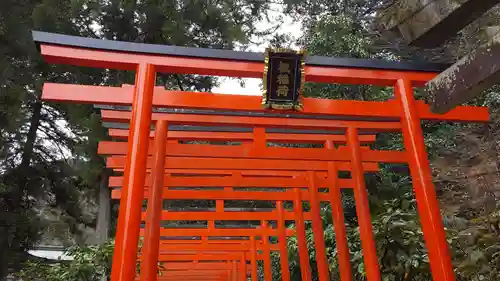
166	165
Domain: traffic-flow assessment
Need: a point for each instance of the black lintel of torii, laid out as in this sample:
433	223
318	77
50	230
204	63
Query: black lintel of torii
40	37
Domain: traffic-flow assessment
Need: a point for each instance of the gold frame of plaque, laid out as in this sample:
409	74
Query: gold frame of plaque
284	78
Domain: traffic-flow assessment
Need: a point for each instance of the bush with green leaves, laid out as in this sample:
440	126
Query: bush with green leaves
88	263
84	263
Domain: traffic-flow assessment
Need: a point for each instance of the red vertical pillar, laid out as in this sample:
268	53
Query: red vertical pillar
235	271
253	261
305	268
285	270
259	138
266	253
129	219
317	226
363	208
243	267
338	220
150	249
428	206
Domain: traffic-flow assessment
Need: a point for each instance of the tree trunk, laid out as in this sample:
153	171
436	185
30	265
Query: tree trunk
27	156
104	214
11	251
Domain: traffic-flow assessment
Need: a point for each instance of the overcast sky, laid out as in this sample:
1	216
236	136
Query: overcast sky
253	85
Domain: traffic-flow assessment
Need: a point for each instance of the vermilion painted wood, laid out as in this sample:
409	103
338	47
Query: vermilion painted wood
268	276
282	182
317	227
204	241
203	252
150	250
269	122
225	216
363	209
220	270
217	241
343	254
226	136
239	232
222	173
234	271
259	138
187	65
185	267
200	254
177	257
234	152
282	241
253	258
192	273
225	173
120	148
118	181
171	266
200	275
127	234
216	275
193	278
238	152
165	248
163	98
221	275
207	276
428	206
228	195
242	267
231	181
372	167
118	162
305	269
196	268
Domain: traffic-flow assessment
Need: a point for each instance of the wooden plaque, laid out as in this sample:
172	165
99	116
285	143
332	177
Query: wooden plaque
283	79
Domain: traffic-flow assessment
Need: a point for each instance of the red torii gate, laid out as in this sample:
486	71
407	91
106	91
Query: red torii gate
348	117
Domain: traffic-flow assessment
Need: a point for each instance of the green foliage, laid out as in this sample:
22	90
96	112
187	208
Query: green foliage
90	263
340	36
401	249
79	263
476	248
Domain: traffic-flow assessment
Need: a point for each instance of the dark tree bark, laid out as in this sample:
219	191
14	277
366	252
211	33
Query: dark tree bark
104	214
12	251
27	155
